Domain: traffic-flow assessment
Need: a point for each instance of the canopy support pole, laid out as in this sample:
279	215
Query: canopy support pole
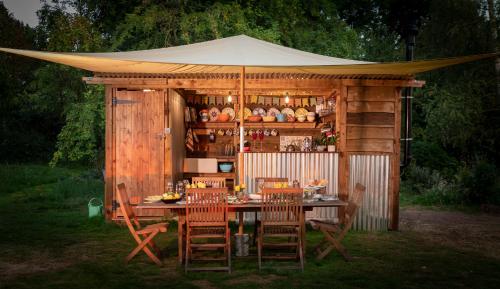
241	164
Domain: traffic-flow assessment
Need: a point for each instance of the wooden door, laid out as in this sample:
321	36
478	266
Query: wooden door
139	143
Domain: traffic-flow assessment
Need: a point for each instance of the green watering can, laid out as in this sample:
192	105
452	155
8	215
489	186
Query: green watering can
95	207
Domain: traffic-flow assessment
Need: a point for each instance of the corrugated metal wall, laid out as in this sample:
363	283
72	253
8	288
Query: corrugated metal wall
294	166
372	171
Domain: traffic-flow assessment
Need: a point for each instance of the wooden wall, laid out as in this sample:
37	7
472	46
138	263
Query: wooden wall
372	127
176	105
370	119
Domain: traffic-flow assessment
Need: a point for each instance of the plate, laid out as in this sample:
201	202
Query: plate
274	132
288	111
273	112
301	111
214	113
259	111
246	113
230	112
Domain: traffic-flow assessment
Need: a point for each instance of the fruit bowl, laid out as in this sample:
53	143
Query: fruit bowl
225	167
269	118
254	118
170	201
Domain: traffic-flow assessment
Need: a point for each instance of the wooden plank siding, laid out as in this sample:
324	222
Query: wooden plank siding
370	119
139	157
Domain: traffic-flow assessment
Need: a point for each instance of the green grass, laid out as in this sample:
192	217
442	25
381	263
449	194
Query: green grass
47	241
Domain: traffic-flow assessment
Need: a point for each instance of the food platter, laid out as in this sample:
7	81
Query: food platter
214	113
273	112
259	111
288	111
301	111
229	111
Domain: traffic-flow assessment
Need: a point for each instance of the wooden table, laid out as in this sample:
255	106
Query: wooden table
240	208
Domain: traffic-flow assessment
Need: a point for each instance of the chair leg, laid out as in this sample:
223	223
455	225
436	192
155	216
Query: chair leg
259	252
336	243
229	253
301	255
255	231
142	246
186	262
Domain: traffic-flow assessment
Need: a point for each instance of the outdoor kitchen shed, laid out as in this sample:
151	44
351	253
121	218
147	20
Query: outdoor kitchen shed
150	95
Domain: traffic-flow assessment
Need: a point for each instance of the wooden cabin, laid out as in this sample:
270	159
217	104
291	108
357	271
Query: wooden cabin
154	98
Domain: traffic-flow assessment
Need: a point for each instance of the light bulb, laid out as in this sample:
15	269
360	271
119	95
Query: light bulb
287	99
229	97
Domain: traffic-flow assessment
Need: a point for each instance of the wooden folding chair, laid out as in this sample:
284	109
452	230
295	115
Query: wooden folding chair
147	233
334	232
214	182
281	218
268	183
207	227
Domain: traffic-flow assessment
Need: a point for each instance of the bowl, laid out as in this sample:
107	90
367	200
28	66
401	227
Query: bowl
254	118
269	118
281	117
301	118
223	117
225	167
311	118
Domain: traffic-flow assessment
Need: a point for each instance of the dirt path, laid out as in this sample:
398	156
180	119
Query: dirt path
477	232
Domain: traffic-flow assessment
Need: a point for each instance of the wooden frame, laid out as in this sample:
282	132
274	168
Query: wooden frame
207	218
282	216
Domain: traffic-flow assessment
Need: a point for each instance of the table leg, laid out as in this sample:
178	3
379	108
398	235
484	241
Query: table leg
240	223
180	236
304	232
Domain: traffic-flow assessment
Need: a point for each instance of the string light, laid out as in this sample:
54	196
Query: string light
287	98
229	98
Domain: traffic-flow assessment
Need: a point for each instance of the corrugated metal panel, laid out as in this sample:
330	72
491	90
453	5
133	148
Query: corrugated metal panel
294	166
372	171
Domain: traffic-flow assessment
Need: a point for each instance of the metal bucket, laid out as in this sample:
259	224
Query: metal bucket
241	244
95	207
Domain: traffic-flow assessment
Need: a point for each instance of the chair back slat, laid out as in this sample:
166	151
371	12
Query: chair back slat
281	206
215	182
206	206
355	202
127	211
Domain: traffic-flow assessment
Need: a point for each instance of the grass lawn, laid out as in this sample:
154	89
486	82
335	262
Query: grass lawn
46	241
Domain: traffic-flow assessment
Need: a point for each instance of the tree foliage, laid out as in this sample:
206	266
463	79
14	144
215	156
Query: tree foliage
456	115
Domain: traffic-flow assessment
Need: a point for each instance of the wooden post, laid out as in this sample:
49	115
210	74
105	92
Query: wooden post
241	165
395	169
341	123
109	155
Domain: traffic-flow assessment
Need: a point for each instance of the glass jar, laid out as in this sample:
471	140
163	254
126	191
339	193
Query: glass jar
170	187
179	188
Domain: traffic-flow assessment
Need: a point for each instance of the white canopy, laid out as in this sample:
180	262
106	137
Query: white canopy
226	55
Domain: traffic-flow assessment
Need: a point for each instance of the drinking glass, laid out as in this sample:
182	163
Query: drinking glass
261	137
254	138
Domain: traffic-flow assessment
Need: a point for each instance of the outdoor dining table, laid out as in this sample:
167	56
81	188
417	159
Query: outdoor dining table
240	208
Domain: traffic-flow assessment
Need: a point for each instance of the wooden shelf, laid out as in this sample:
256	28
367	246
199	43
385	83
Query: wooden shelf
283	125
214	124
231	175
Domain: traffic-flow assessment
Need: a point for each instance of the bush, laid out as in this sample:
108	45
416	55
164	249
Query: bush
431	155
479	183
430	187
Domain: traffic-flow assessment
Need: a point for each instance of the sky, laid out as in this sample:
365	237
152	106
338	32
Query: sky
24	10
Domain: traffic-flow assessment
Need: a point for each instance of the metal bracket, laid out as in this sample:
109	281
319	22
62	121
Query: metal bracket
116	101
114	205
